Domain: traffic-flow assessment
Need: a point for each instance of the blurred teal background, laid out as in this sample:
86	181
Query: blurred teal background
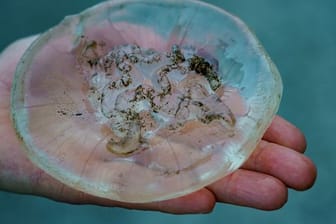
299	35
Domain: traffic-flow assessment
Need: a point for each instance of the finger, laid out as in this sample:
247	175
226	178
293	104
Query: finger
251	189
291	167
42	184
202	201
284	133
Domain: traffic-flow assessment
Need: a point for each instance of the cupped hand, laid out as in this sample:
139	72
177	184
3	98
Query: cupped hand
262	182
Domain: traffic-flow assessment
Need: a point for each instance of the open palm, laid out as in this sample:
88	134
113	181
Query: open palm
277	164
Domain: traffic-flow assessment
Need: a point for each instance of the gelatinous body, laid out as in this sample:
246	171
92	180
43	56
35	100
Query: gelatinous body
133	101
140	94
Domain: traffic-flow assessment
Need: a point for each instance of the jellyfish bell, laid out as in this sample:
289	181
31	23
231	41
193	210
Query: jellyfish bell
141	101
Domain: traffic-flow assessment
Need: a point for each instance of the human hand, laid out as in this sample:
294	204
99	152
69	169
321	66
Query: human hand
277	164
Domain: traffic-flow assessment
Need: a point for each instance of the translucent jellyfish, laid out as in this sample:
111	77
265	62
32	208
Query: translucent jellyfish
142	100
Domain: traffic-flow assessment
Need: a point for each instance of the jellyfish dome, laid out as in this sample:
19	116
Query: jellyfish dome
141	100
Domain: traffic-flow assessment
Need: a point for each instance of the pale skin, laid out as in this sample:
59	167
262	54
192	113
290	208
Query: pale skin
277	164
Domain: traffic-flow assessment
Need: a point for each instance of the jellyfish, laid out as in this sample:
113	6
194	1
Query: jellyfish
140	101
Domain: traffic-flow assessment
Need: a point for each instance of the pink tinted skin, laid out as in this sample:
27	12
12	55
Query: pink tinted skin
276	165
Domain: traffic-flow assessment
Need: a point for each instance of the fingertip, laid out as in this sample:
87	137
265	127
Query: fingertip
306	176
291	167
275	195
251	189
284	133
